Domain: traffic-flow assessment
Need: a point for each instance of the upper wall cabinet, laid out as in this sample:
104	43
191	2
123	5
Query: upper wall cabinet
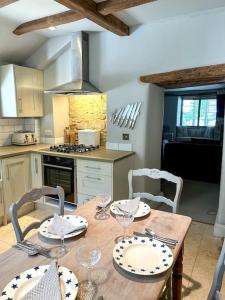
21	91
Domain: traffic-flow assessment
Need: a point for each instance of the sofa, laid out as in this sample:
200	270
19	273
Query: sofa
194	160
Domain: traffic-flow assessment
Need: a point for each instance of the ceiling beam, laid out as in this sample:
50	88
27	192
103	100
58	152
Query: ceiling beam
111	6
187	77
55	20
6	2
89	10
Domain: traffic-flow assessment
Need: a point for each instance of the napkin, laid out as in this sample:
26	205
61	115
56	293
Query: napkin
130	207
103	201
61	226
48	286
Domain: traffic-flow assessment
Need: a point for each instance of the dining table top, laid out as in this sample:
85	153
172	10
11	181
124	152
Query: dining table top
113	282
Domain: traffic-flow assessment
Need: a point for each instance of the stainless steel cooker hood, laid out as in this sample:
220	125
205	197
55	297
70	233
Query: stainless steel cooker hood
79	56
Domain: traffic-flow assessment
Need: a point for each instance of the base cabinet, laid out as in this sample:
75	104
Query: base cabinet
96	178
16	181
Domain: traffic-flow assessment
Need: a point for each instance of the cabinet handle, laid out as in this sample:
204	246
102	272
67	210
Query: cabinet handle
36	165
93	168
95	178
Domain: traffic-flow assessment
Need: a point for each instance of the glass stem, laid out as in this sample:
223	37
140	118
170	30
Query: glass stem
89	275
62	242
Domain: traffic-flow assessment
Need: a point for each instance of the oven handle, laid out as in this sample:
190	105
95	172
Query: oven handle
57	167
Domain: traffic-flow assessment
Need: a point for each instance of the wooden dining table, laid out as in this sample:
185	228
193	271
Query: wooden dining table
112	281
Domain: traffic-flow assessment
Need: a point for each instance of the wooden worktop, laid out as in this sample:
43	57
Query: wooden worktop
101	154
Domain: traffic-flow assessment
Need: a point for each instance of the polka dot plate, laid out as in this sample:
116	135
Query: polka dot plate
21	284
142	211
143	256
75	220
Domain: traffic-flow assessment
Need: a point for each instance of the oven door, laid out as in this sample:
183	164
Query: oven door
60	176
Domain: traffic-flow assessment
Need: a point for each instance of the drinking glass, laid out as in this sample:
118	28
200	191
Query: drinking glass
124	220
88	256
103	201
59	251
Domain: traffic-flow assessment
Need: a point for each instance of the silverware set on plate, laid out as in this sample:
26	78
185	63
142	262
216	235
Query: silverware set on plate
150	233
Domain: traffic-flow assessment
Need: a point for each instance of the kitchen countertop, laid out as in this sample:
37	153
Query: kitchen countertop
100	154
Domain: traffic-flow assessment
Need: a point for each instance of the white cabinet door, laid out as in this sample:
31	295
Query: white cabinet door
36	172
21	91
16	179
37	77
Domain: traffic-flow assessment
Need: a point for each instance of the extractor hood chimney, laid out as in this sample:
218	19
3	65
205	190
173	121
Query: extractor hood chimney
80	83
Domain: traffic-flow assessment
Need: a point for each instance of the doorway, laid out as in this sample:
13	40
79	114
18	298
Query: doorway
192	147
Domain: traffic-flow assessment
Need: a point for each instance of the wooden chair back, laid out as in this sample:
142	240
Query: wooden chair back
33	196
157	174
214	293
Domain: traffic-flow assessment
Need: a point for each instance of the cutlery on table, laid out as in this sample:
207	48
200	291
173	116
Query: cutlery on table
32	249
168	243
153	234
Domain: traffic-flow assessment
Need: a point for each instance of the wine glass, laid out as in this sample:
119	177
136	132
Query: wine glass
59	251
88	256
124	219
103	201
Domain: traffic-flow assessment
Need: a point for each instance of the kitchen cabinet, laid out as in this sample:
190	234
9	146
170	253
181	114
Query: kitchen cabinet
36	172
21	91
16	181
96	177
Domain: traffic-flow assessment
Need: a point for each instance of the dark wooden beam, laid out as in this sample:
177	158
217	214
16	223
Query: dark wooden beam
55	20
111	6
6	2
188	77
89	10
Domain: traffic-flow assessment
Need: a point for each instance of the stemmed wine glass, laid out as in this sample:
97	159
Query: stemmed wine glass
59	251
103	201
124	219
88	256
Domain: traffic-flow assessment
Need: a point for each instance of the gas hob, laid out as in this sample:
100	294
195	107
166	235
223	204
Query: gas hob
72	148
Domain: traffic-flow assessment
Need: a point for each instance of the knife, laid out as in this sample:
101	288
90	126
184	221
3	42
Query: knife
128	115
124	114
135	115
117	115
113	116
132	114
120	115
170	244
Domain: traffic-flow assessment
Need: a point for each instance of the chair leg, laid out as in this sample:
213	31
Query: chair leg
167	293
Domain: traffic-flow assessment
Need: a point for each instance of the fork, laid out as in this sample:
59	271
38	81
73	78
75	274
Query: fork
153	234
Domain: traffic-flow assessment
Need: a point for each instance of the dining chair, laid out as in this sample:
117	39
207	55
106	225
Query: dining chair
33	196
156	174
214	293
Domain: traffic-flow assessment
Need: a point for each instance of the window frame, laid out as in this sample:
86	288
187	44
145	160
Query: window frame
196	98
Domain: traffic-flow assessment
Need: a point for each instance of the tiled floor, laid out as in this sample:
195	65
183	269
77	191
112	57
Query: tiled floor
200	256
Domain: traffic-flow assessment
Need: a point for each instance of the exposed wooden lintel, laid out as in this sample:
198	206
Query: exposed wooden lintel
6	2
111	6
55	20
89	10
188	77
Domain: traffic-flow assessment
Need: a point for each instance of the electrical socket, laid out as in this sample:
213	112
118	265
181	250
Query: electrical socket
126	137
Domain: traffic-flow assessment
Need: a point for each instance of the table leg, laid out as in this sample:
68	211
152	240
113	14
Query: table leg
177	276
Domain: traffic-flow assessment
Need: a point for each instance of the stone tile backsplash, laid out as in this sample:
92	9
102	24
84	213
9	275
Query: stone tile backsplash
88	112
9	126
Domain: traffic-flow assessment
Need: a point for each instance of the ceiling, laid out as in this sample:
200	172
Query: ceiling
18	48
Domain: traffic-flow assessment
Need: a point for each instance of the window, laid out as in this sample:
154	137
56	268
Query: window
196	111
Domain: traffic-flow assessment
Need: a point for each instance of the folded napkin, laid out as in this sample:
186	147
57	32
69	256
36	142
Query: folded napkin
130	207
48	286
61	226
103	201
